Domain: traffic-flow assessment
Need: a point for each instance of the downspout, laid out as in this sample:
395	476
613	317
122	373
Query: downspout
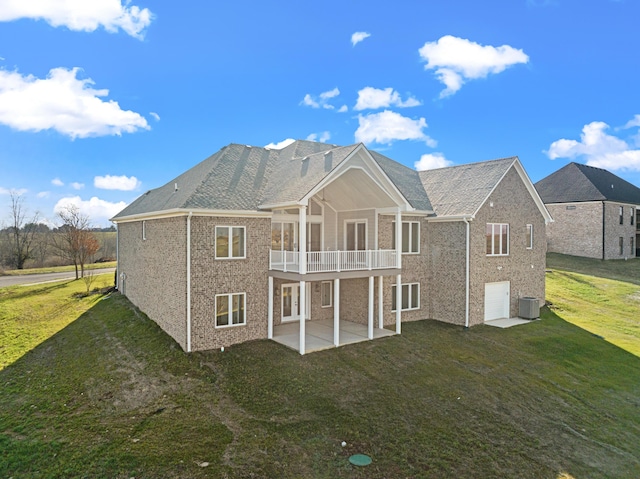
189	282
466	306
603	229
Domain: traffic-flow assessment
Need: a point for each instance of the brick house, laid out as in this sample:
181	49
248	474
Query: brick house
595	213
301	245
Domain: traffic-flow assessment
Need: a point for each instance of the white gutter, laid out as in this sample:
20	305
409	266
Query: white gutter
174	212
189	282
466	307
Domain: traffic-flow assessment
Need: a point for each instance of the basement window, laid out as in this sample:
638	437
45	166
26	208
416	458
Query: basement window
231	310
621	245
410	297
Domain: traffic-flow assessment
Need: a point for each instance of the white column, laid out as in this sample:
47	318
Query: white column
399	237
370	308
398	302
270	310
336	312
302	239
380	303
302	301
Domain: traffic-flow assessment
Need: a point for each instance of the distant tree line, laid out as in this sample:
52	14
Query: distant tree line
26	239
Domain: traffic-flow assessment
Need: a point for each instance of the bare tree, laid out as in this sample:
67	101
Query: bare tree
73	239
20	232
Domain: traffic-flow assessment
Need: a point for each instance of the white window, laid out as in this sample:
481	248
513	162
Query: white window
631	248
410	297
355	235
621	245
144	230
326	291
231	309
529	238
497	239
230	242
633	214
622	215
410	236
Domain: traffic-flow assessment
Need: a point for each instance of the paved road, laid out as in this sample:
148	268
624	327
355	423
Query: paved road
45	277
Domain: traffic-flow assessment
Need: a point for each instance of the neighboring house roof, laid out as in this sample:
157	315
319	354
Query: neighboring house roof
576	182
242	178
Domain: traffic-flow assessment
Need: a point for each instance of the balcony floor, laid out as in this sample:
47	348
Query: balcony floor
319	334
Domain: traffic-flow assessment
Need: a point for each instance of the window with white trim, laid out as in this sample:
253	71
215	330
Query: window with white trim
144	230
632	250
633	214
622	215
410	297
497	239
529	237
231	310
326	292
230	242
410	236
621	245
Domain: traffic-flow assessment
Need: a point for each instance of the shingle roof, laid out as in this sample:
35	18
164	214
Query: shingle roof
240	177
576	182
461	190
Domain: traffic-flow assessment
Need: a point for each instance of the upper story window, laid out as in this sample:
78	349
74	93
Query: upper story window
633	214
497	239
230	242
529	237
622	215
144	230
410	236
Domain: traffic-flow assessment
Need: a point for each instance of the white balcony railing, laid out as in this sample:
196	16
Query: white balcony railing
335	261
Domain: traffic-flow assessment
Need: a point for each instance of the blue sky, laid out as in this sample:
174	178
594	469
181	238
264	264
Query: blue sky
103	100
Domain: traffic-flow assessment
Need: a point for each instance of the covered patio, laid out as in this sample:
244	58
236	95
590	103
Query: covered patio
319	335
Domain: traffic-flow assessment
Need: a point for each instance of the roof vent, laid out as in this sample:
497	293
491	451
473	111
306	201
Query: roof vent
248	146
176	187
611	186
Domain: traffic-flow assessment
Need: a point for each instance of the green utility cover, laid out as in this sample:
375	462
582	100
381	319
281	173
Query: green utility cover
360	460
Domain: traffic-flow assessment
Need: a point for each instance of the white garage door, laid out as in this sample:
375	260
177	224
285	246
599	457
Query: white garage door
496	300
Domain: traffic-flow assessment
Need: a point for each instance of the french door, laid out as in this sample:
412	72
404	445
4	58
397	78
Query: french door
291	301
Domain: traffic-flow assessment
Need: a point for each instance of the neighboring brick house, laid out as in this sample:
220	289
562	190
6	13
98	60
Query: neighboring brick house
230	250
595	213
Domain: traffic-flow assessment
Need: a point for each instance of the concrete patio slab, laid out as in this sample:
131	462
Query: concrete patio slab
508	322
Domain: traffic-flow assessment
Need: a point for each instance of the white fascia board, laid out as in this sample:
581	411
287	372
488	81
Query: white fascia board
280	206
442	219
176	212
392	212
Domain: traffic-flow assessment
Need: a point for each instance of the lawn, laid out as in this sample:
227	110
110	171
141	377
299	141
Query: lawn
579	290
110	395
58	269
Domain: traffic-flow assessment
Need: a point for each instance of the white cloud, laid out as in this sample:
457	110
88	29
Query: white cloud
63	103
322	101
43	194
154	115
280	145
322	137
76	186
431	161
57	182
81	15
343	108
122	183
96	209
370	98
635	121
599	148
456	60
388	126
357	37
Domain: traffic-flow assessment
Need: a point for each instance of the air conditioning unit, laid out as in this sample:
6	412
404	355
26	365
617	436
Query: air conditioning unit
529	308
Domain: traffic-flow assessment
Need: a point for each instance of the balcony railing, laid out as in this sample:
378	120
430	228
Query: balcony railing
334	261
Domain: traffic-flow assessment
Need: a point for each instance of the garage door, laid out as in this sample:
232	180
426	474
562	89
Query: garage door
496	300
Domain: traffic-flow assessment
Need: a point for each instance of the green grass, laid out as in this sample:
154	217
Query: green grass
57	269
31	314
110	395
606	307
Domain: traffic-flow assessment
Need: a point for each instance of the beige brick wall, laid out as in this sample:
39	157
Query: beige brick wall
576	229
156	271
447	271
524	268
614	230
211	276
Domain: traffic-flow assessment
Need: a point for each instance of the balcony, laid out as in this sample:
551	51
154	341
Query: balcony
334	261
